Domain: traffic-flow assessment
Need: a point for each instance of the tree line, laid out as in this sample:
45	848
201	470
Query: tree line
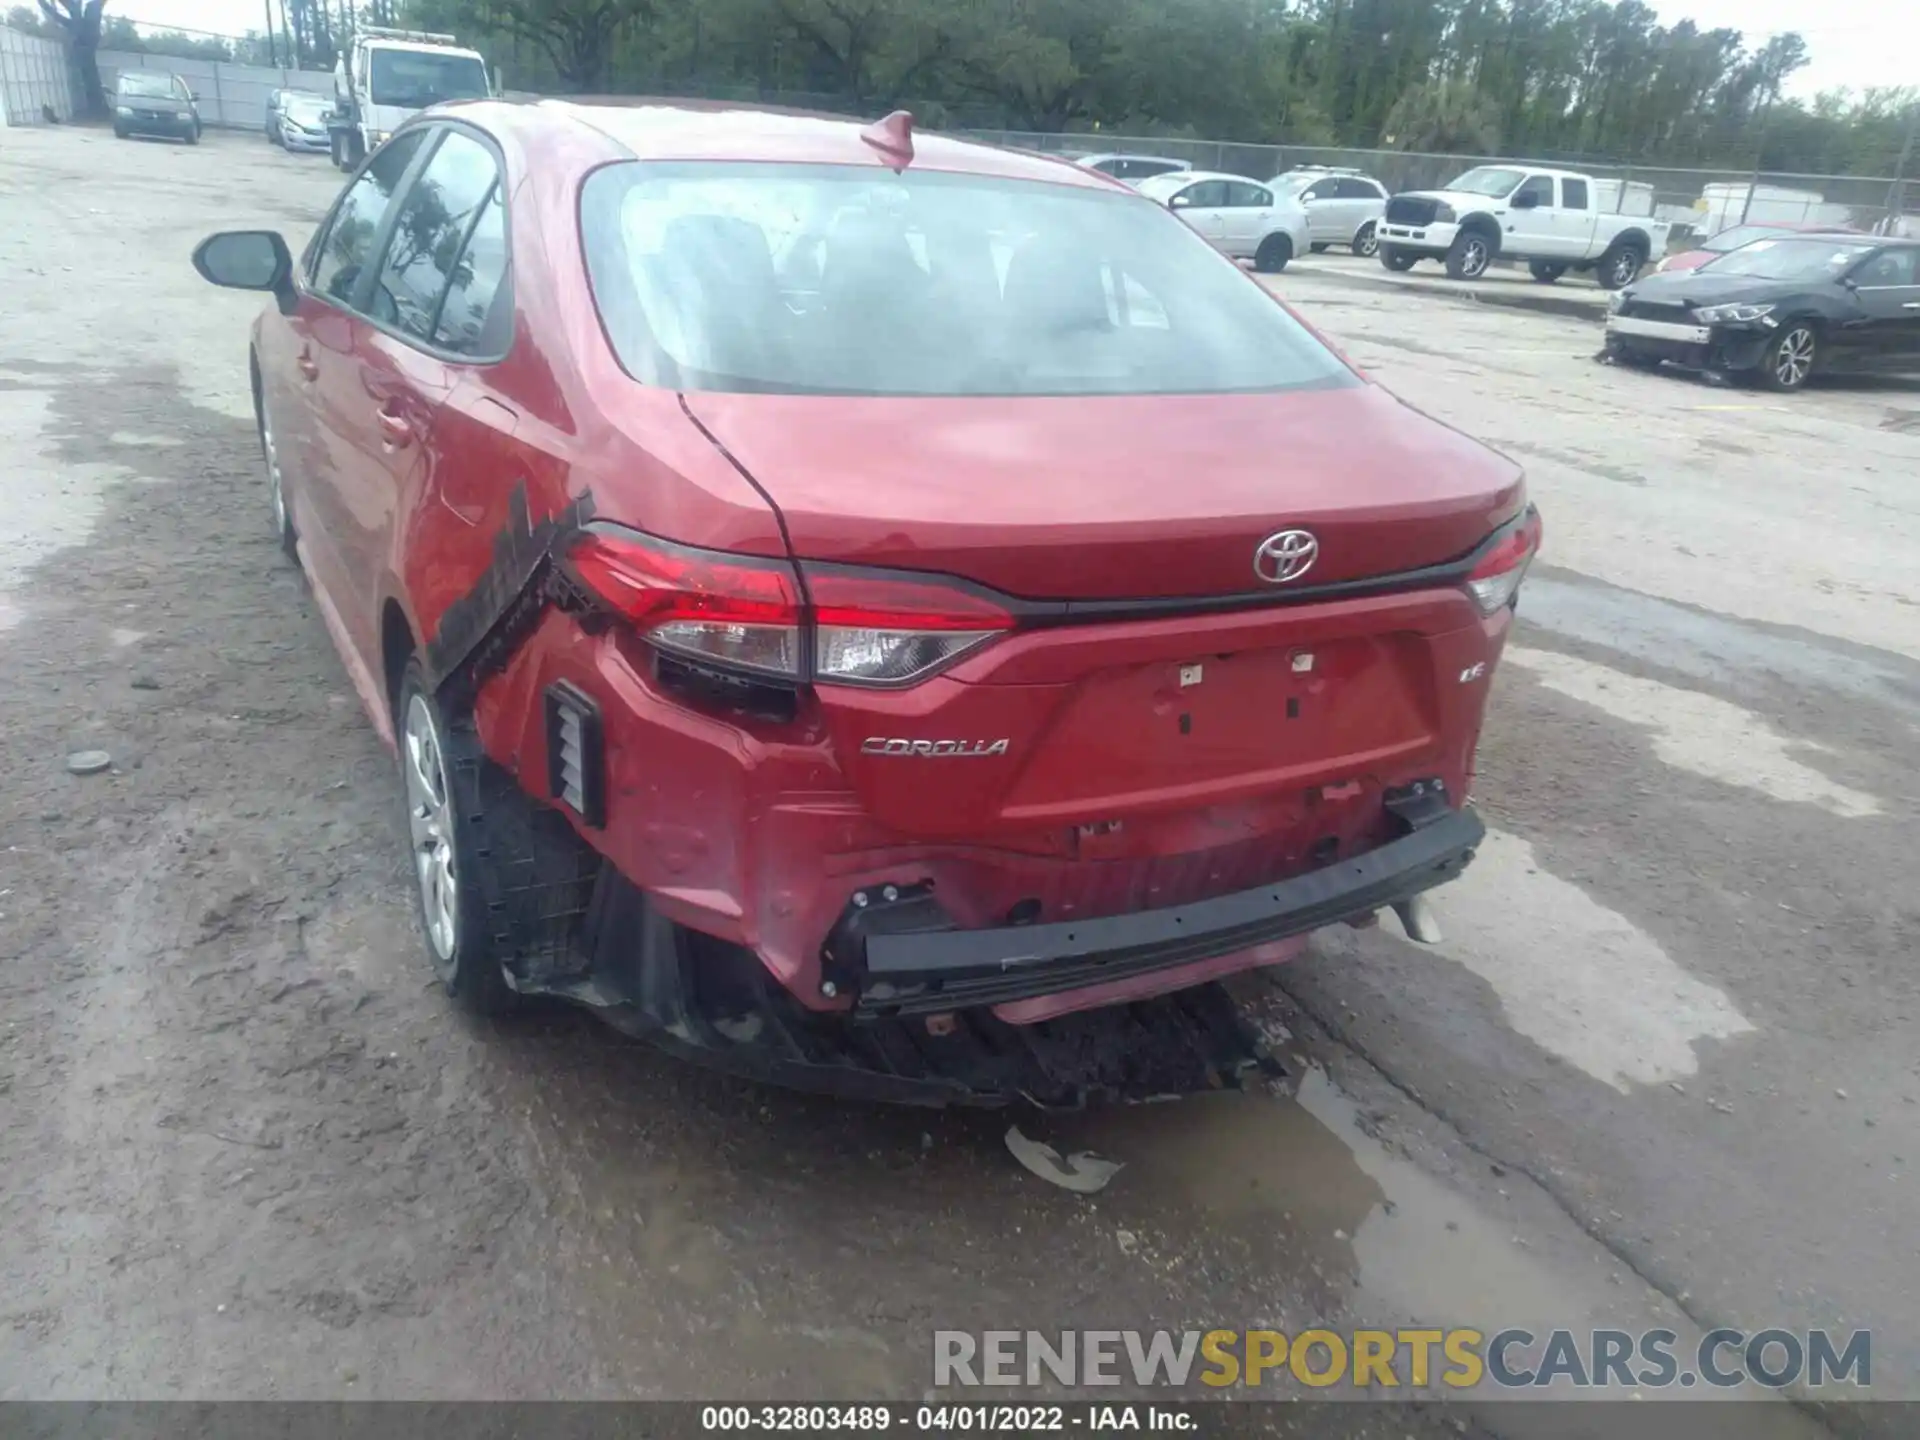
1600	79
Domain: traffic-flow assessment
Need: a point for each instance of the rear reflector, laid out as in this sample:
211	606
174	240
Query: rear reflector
1495	580
575	757
744	614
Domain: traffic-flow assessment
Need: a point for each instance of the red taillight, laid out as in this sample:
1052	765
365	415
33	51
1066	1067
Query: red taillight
743	612
1497	576
736	610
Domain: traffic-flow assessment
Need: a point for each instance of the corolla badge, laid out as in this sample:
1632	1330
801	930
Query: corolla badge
933	749
1285	555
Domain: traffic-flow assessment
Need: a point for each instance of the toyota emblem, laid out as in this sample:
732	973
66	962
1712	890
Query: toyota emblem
1285	556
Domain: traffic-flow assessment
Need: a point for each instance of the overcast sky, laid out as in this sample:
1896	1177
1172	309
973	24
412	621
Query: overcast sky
1854	43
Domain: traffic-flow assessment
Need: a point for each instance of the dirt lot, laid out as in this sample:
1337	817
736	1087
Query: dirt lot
1663	1070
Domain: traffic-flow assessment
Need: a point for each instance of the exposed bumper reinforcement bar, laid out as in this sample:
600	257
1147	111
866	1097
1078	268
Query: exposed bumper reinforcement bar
928	971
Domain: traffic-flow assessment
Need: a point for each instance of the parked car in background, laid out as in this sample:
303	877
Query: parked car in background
1734	236
303	122
1549	218
272	127
1344	207
1779	311
1238	216
768	705
1131	168
153	102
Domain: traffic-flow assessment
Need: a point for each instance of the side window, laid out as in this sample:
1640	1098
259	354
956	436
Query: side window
1888	269
1323	191
1247	197
1354	188
342	252
1204	195
1538	186
1573	194
428	250
476	318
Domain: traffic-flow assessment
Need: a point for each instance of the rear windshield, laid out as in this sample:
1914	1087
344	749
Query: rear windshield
848	280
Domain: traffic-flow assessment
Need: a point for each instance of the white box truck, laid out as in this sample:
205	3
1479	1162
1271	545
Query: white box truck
387	75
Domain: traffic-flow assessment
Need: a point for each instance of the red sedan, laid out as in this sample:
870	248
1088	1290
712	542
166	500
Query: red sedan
855	607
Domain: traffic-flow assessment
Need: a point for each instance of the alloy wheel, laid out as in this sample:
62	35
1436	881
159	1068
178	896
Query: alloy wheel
1368	243
1473	260
275	489
1625	266
1793	358
430	822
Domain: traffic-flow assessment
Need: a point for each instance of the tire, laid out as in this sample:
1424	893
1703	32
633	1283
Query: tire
193	136
1791	359
1469	255
1616	269
1367	242
276	487
1318	247
1274	253
1396	259
439	765
1545	271
119	131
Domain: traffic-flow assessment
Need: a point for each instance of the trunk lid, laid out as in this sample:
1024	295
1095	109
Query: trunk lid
1116	497
1137	741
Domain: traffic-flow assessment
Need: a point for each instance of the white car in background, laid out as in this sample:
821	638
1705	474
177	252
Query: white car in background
1343	206
302	122
1238	216
1131	168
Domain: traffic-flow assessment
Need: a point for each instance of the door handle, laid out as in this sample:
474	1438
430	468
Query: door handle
1911	305
309	366
395	430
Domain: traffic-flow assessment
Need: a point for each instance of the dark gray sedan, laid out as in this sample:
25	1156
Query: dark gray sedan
150	102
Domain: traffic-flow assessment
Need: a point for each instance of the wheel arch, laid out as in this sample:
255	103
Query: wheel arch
1633	236
398	643
1482	223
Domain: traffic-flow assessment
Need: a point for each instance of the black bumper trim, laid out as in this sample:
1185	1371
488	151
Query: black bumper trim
931	971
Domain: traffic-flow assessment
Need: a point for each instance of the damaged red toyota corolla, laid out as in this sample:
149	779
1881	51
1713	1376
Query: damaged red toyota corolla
870	611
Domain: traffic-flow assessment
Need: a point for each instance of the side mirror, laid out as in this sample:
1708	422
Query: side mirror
247	260
1179	202
1528	201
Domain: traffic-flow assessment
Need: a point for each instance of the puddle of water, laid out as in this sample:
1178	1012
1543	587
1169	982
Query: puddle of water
1414	1251
1698	732
1620	1008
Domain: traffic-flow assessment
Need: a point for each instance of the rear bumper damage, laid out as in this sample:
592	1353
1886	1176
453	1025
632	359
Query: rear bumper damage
899	959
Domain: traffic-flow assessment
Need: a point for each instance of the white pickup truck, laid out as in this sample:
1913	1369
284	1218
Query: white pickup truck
1555	220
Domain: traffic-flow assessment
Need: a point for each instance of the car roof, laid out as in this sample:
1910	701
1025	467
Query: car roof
145	75
649	129
1132	155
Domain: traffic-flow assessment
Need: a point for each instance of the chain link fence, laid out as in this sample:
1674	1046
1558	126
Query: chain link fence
1696	201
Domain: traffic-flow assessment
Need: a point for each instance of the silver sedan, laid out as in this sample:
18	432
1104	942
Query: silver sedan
1240	217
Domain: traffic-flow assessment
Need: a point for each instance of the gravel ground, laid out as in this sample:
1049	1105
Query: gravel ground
1662	1070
